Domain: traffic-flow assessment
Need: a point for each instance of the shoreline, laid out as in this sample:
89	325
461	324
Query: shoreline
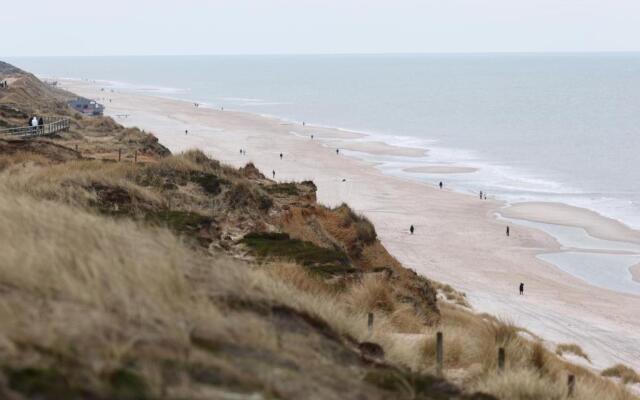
380	197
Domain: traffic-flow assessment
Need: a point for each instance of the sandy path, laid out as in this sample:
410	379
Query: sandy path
458	240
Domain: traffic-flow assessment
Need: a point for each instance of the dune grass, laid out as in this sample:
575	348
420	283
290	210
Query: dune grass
626	374
74	282
572	349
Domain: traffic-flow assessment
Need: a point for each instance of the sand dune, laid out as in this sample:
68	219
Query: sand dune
458	240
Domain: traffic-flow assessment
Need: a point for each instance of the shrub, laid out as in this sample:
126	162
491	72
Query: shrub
281	246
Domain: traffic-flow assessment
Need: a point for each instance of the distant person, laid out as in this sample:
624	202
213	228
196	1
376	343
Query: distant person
411	229
274	174
440	184
337	151
481	195
521	289
303	123
485	196
221	108
507	230
34	124
281	156
311	137
240	151
186	131
41	124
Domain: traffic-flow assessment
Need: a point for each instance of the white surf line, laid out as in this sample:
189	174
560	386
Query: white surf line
599	262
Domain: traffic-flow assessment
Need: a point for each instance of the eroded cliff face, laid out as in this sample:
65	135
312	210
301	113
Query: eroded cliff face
178	277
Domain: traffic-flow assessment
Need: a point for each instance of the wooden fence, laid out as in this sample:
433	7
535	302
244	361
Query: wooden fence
51	125
571	379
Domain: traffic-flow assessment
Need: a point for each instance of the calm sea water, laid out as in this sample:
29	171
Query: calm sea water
556	127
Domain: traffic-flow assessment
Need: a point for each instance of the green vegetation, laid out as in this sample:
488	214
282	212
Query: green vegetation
289	189
416	386
281	246
184	222
36	382
210	183
127	385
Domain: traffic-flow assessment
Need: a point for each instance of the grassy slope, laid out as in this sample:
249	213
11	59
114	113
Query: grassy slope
122	280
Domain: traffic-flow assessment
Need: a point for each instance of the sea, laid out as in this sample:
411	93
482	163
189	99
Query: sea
538	127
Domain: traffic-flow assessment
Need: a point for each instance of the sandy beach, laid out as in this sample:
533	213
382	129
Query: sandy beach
458	239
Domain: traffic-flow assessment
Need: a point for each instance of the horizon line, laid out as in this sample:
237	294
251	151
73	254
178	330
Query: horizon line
506	52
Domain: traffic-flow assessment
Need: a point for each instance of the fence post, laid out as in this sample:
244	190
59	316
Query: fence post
571	384
119	154
439	353
370	323
501	359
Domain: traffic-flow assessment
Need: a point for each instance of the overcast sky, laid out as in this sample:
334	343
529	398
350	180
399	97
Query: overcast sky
141	27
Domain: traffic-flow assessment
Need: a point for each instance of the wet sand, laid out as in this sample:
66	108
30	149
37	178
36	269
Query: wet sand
441	169
635	272
380	148
563	214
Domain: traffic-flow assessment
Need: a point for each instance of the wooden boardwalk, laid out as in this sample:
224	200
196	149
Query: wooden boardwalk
51	125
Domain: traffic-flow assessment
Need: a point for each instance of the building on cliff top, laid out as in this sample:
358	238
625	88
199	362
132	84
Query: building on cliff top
87	106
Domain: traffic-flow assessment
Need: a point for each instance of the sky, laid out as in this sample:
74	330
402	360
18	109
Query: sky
168	27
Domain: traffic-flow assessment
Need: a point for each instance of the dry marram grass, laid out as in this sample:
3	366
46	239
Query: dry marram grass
106	287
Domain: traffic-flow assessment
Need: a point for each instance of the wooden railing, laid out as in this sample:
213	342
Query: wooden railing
51	125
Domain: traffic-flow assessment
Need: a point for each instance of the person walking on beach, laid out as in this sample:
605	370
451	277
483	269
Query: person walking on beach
521	289
281	156
481	195
274	173
411	229
186	131
337	151
304	123
440	184
311	137
507	231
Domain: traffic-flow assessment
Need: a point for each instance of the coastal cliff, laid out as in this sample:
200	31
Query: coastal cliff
127	272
